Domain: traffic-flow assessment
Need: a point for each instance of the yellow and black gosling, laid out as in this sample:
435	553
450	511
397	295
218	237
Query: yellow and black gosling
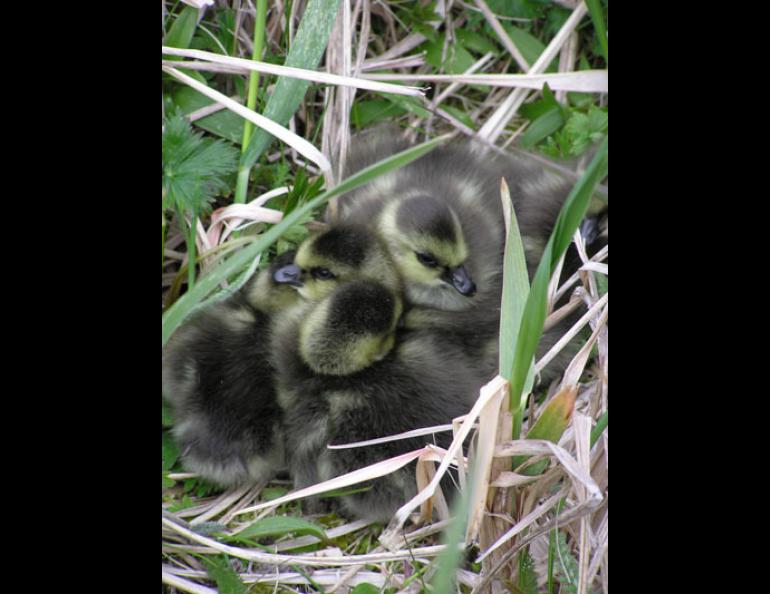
441	218
345	372
218	379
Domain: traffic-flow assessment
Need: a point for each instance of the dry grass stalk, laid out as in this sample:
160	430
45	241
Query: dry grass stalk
496	123
584	81
220	63
319	559
296	142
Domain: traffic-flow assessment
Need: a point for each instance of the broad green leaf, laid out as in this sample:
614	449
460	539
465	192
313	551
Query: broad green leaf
477	42
167	483
533	318
185	305
219	570
456	61
409	104
515	291
529	46
365	589
181	34
542	106
597	16
170	451
224	123
182	30
306	51
364	113
278	526
542	127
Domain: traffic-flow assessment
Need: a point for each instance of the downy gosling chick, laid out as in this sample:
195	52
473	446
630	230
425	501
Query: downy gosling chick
345	252
344	374
218	379
441	218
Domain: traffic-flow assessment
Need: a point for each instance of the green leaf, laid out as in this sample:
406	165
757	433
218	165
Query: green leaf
597	16
278	526
364	113
306	51
445	577
542	106
545	125
193	166
550	426
188	302
409	104
182	30
529	46
533	318
567	566
476	42
527	574
365	589
515	291
456	61
270	493
219	570
168	419
181	34
460	115
601	425
170	451
224	123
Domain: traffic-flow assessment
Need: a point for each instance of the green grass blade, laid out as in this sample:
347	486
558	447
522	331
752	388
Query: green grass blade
597	431
176	314
306	51
597	16
279	526
533	318
451	558
515	287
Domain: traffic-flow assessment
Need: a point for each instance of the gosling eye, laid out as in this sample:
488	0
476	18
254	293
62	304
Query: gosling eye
321	273
426	260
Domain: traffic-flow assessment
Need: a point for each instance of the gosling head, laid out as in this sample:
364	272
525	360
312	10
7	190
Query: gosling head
265	293
337	255
351	329
428	246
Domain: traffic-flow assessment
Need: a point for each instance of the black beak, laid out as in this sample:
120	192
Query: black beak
460	280
289	275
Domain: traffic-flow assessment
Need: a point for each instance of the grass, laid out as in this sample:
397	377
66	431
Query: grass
533	530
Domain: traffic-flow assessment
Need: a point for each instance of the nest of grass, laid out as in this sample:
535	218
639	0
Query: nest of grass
533	516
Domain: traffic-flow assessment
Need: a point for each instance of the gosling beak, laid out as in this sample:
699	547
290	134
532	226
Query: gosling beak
461	281
289	275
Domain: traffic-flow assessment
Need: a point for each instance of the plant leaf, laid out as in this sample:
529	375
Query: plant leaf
550	425
597	16
224	123
278	526
219	570
569	218
306	51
